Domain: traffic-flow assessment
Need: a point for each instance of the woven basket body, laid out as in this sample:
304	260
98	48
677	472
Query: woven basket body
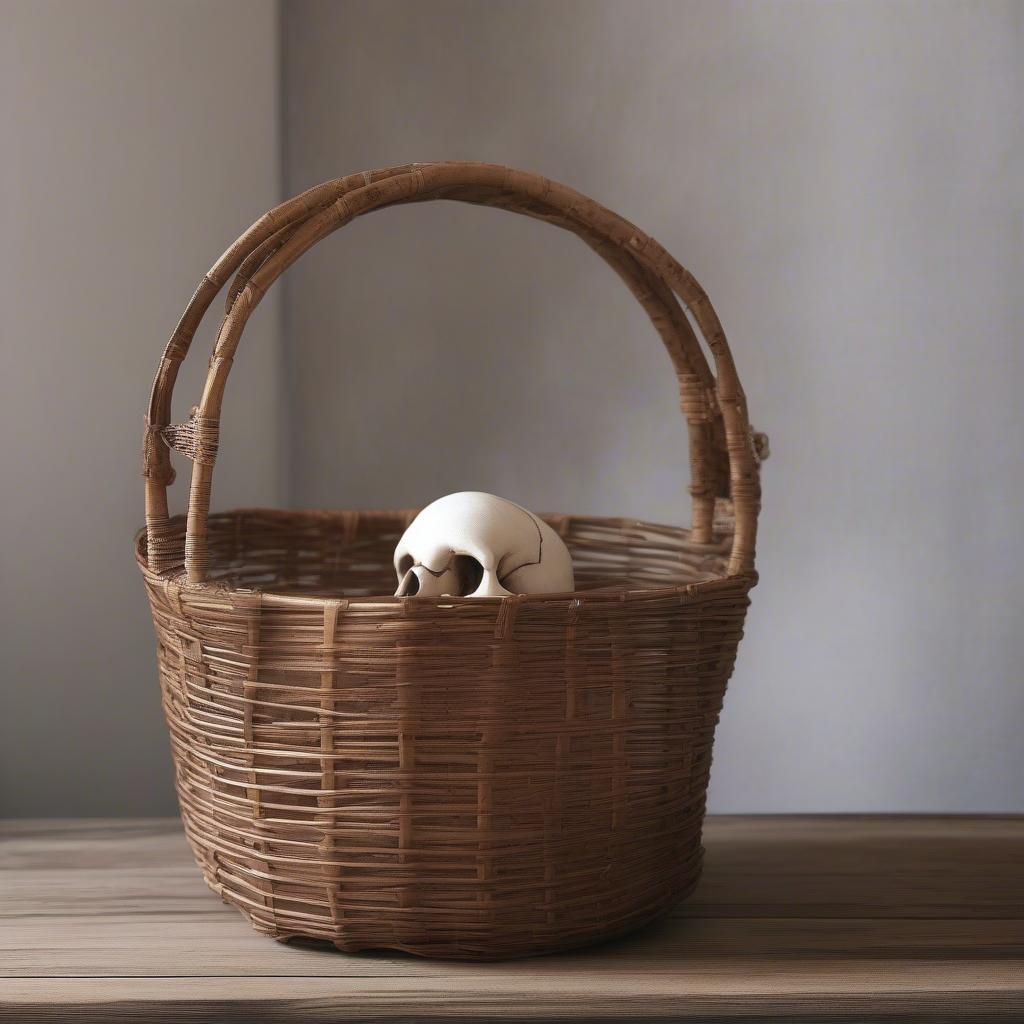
451	777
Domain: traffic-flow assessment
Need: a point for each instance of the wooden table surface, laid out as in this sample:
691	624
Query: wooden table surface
797	918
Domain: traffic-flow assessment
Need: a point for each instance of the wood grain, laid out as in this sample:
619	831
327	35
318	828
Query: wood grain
797	918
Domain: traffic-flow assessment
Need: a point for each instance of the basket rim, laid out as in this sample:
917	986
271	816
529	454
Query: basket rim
177	575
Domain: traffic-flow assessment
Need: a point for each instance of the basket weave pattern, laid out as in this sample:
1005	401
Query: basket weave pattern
452	777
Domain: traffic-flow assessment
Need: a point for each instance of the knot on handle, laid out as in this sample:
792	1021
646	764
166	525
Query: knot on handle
759	442
196	439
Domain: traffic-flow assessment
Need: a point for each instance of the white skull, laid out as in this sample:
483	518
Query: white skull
473	544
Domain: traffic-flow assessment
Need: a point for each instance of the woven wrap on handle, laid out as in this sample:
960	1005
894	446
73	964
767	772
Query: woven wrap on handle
723	459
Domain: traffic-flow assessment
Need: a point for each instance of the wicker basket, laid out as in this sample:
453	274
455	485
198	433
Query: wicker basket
452	777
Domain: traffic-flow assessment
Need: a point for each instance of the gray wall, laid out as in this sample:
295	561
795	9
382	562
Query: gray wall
139	138
844	180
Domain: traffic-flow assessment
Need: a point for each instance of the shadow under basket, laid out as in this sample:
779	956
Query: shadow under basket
453	777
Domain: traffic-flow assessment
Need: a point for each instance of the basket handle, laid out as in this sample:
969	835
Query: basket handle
723	455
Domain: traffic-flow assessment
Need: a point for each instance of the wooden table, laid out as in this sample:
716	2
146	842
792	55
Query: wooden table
796	918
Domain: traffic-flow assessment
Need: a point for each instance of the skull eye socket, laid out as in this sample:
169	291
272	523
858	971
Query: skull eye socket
469	573
405	563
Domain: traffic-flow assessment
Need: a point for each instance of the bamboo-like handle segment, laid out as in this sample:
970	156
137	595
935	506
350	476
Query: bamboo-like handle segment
722	456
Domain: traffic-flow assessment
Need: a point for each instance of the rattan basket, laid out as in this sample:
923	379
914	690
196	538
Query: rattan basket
452	777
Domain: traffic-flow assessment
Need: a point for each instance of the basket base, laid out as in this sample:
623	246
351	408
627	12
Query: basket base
460	952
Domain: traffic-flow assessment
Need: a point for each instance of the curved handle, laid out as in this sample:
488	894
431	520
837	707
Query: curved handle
723	460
